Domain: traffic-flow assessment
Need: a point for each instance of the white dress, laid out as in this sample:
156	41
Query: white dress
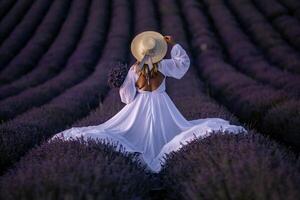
150	123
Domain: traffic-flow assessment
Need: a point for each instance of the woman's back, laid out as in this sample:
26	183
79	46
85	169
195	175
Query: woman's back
154	82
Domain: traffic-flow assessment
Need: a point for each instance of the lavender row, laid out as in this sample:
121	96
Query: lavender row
226	167
35	48
45	174
78	67
144	19
246	98
263	33
23	32
76	169
13	17
288	26
282	121
38	124
293	6
247	57
54	60
5	7
193	103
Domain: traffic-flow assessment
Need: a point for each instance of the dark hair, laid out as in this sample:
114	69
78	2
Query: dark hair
153	72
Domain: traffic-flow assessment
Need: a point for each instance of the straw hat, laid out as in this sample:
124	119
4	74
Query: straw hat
151	44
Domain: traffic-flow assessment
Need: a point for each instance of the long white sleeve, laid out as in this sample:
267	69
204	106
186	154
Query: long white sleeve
127	90
178	65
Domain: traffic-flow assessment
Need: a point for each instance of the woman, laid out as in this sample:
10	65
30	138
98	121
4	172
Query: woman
150	123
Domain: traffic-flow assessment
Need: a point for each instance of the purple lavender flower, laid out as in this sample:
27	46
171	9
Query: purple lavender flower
117	75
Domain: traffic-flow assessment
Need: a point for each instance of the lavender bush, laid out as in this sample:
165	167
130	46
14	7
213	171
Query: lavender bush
232	167
283	121
76	169
117	75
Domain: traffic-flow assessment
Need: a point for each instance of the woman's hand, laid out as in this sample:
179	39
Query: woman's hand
169	39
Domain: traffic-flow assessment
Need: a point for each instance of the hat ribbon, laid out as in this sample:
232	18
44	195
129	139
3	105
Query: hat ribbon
150	64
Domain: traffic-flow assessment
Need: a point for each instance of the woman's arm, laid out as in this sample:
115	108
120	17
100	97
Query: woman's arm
179	63
127	90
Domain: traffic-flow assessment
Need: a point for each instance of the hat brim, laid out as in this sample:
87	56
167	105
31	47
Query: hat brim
159	51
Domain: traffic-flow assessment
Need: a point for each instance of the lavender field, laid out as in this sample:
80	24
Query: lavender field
55	57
